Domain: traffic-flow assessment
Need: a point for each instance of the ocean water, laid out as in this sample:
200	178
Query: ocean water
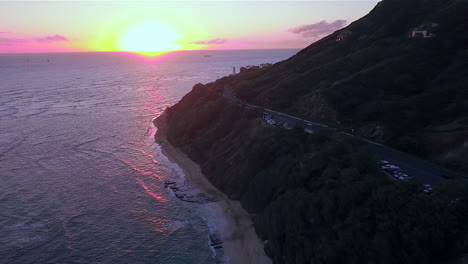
81	178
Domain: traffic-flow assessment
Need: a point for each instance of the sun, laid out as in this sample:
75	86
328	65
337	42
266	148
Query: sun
149	38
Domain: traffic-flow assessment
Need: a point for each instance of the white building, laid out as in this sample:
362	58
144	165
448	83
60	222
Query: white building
421	34
424	31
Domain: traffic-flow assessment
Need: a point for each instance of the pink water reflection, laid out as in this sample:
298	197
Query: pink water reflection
159	224
149	191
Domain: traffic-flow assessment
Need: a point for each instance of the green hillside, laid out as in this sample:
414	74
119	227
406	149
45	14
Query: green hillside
379	83
321	198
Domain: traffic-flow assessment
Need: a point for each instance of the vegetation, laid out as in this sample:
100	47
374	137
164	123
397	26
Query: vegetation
380	77
314	198
321	199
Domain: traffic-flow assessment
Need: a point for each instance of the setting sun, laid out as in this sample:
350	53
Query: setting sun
149	37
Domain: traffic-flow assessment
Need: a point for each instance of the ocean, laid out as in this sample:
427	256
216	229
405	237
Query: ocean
81	178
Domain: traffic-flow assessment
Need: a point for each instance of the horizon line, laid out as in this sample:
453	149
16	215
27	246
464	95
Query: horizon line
139	52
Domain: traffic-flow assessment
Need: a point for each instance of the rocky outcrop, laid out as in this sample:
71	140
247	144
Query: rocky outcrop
189	194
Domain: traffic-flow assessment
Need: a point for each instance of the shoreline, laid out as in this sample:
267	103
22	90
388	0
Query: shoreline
233	224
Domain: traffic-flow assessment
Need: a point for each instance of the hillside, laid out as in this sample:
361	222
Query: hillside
321	198
379	83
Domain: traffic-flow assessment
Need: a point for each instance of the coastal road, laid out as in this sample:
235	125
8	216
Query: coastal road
422	171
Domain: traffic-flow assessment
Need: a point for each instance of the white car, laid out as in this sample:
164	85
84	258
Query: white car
427	188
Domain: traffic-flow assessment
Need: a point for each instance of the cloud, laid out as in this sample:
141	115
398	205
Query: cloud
317	29
8	41
54	38
5	32
46	39
216	41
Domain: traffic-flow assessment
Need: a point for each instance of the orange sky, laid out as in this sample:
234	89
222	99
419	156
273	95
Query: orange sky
157	25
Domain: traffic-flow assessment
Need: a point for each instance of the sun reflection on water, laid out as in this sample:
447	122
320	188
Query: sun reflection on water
151	57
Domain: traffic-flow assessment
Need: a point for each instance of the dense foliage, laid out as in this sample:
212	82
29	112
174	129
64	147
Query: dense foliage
321	199
315	198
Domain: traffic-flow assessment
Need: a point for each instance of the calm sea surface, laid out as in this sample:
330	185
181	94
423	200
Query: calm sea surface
81	179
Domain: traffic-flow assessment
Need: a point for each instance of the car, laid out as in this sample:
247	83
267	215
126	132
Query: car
427	188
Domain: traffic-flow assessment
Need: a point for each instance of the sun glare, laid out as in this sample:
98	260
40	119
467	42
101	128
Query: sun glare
149	38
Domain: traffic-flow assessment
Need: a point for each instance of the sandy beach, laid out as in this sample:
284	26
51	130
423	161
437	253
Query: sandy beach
233	224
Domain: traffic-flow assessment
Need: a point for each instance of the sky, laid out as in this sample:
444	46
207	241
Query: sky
152	26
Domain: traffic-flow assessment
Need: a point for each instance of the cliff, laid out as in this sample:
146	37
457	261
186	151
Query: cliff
320	198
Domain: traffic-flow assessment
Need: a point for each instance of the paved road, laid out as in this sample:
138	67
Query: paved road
422	171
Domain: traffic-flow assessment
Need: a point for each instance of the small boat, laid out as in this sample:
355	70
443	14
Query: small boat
207	55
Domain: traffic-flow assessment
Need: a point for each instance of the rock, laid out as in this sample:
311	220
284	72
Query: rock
200	198
215	238
217	243
189	194
180	195
167	183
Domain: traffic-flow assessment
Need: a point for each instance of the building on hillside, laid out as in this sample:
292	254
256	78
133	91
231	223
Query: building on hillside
424	31
421	34
343	35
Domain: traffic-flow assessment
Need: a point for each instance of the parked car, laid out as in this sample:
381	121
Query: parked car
427	188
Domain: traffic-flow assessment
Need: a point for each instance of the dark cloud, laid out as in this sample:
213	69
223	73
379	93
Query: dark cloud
318	29
216	41
54	38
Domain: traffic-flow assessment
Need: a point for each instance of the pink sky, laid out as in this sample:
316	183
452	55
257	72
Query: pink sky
103	26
